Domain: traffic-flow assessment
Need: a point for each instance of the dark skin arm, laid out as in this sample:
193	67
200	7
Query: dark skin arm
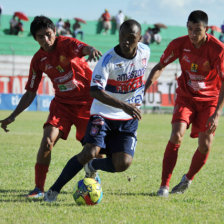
130	109
154	75
25	102
93	53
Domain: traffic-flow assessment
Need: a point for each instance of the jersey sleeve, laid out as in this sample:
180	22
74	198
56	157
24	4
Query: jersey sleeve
219	65
75	48
171	53
35	76
100	73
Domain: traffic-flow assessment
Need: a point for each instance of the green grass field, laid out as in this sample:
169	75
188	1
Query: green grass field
129	197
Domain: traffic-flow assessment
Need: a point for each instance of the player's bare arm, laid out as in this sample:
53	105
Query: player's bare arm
212	122
25	101
93	53
154	75
130	109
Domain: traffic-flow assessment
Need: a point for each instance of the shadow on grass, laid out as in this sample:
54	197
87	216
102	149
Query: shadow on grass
12	195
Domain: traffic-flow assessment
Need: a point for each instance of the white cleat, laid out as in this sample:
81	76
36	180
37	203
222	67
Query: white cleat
163	191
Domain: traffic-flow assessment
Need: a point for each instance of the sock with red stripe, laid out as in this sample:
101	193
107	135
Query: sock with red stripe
198	161
169	162
40	175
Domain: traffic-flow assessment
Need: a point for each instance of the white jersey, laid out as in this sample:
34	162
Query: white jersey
121	78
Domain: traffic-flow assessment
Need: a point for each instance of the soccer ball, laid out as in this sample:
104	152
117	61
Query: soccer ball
87	192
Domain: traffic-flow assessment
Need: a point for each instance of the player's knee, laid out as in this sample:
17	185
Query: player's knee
176	137
89	152
122	164
204	148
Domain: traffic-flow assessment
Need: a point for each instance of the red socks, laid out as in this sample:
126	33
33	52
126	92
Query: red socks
169	162
40	175
198	161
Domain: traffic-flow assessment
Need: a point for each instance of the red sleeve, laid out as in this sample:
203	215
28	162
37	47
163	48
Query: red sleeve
171	53
219	65
35	76
76	48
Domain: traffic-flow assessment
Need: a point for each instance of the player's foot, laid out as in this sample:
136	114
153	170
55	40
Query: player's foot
91	172
182	186
35	193
163	191
50	196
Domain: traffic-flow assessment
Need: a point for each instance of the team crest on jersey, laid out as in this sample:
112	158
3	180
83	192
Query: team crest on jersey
119	65
94	130
194	67
63	60
60	69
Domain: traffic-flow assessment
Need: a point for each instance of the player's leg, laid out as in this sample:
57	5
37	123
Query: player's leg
182	116
73	166
50	137
57	126
204	144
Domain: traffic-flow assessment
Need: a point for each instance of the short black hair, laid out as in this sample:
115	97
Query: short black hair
40	22
130	23
198	16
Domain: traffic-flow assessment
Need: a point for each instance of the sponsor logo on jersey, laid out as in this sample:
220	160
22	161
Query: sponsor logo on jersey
64	78
194	67
60	69
186	50
131	75
68	86
130	86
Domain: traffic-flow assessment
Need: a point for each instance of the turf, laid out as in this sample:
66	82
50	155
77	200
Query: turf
129	197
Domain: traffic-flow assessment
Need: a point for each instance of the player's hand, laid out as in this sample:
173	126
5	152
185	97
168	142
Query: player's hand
212	124
94	55
4	123
132	110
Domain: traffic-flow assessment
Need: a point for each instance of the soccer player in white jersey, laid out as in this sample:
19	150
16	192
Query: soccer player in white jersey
117	88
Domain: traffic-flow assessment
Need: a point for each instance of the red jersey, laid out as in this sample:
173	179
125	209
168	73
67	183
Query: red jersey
67	69
202	68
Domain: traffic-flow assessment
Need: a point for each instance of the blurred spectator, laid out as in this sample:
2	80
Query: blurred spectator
119	19
60	27
77	30
152	35
106	20
0	14
67	27
19	27
13	25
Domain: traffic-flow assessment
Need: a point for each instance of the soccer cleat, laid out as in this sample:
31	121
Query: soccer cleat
91	172
50	196
163	191
182	186
35	193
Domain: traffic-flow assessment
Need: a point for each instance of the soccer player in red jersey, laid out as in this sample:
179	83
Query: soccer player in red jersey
61	58
200	96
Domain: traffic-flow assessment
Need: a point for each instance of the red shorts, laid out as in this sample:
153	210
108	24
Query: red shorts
193	112
63	116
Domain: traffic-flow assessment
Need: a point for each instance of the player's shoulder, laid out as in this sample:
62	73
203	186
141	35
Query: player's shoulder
215	44
107	57
39	55
143	47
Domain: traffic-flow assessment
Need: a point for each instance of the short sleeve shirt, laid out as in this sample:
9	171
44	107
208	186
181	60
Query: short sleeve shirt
66	68
202	68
